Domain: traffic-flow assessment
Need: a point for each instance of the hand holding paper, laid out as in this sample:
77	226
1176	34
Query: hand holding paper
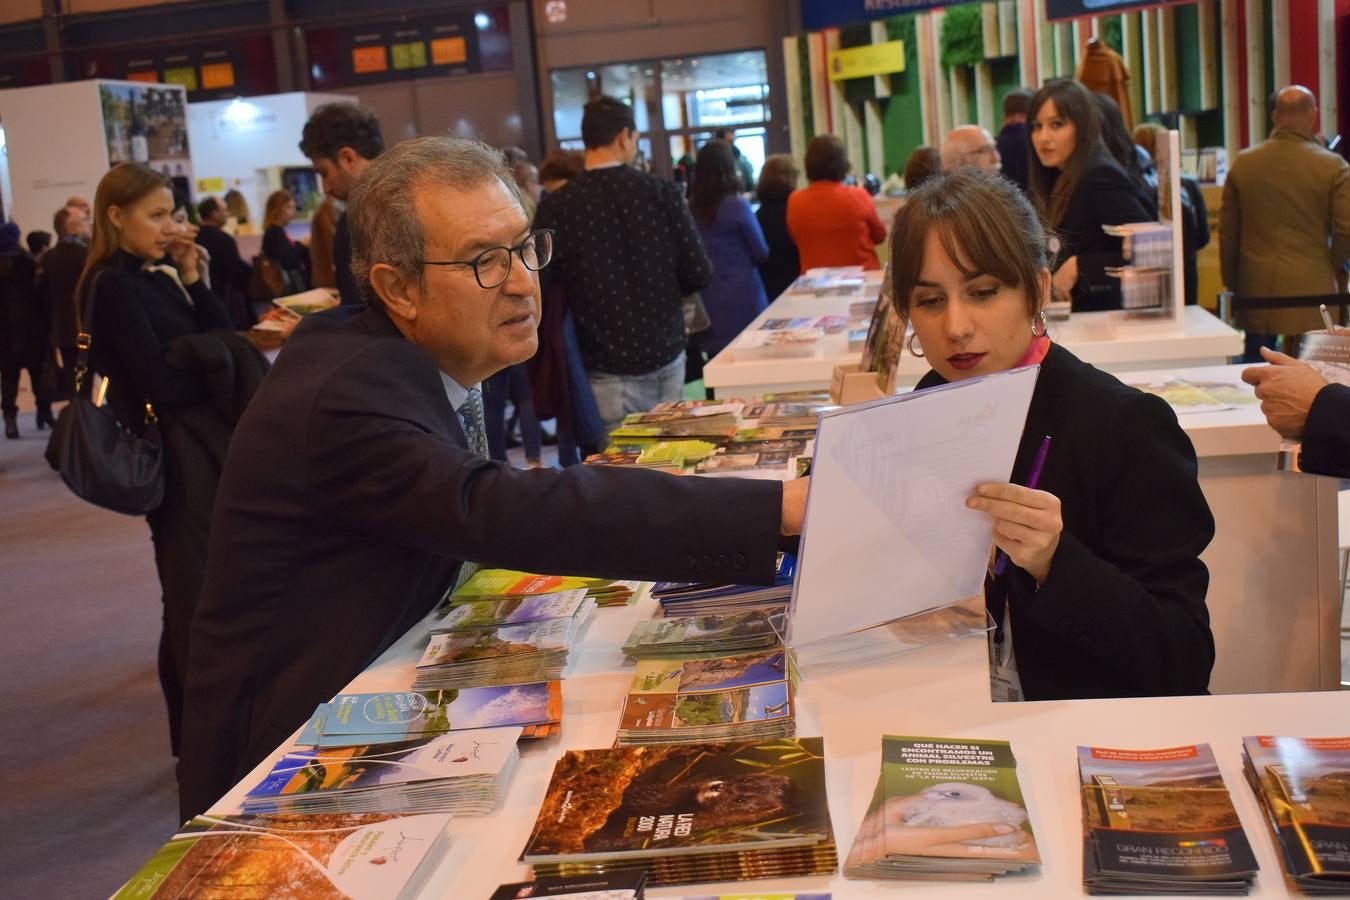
1027	524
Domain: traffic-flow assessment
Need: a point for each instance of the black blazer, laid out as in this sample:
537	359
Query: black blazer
227	266
58	276
1122	613
1326	436
1105	196
784	263
346	504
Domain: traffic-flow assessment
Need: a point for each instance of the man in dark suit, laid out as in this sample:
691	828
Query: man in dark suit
357	480
340	140
1302	406
58	274
229	272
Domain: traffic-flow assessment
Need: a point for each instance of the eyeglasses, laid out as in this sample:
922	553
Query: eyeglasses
493	266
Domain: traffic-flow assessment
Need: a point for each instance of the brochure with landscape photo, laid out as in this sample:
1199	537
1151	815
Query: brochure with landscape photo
371	856
507	584
516	611
396	716
750	629
1304	788
1158	820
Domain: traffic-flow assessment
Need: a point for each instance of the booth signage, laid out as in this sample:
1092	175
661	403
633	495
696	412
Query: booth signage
1073	9
867	60
447	45
818	14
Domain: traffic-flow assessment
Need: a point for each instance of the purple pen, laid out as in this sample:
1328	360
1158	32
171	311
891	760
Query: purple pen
1037	465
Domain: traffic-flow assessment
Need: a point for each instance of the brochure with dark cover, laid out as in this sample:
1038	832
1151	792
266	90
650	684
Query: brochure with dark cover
621	885
1160	821
688	812
1304	788
944	808
318	857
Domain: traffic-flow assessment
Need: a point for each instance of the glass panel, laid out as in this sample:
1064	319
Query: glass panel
749	141
633	83
713	90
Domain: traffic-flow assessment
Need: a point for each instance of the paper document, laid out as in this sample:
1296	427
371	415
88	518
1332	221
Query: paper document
887	531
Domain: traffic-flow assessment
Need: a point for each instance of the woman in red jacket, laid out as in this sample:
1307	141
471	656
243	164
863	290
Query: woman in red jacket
832	223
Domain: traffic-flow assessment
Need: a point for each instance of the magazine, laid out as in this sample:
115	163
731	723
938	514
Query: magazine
1160	820
370	856
687	812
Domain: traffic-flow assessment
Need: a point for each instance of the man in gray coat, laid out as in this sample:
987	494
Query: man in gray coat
1285	225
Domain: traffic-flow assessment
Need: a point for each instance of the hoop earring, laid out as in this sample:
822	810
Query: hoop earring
1044	322
910	344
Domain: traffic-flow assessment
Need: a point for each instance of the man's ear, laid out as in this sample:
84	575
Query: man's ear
346	158
398	293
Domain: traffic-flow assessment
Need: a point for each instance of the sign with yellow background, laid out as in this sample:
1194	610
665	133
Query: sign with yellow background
867	60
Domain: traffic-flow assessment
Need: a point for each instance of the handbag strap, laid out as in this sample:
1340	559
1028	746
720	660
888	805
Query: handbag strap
84	339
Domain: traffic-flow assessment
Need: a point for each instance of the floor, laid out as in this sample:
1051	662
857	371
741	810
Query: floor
89	786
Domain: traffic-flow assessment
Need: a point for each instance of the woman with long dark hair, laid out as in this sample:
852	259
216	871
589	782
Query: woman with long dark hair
1078	187
1120	144
141	288
735	244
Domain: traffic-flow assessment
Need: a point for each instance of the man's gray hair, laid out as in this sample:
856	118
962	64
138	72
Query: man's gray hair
381	213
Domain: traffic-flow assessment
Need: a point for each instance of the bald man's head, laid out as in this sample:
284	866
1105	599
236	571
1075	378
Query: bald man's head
1295	107
970	145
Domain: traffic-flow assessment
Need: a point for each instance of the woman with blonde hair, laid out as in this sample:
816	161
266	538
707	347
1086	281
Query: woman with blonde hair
277	245
141	288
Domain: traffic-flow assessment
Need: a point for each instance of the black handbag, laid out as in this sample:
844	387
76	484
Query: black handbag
100	460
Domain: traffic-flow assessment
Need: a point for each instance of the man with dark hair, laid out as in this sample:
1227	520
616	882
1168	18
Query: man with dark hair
57	276
380	407
38	242
1012	139
627	254
1284	228
340	140
229	272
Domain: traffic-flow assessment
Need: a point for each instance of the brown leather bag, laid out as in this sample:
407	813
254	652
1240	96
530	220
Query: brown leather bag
266	282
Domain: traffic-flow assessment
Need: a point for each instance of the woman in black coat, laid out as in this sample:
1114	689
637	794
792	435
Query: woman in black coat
290	257
1105	593
777	181
1078	187
141	289
24	328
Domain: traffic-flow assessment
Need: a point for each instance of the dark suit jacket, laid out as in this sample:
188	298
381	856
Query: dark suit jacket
227	266
1326	436
784	264
1105	196
1013	147
346	504
58	275
348	289
1122	613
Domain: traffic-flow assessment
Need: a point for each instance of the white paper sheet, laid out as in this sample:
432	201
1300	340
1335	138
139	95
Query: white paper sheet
887	532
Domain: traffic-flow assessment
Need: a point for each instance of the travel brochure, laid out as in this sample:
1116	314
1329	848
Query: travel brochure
508	654
753	629
687	813
391	717
1303	785
944	809
1160	821
740	697
1196	394
604	886
463	772
334	856
517	611
508	584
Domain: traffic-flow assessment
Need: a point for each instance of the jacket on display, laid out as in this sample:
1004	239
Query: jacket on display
348	501
1122	613
1102	70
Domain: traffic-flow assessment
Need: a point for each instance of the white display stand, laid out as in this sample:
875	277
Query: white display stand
1113	341
237	143
941	691
57	146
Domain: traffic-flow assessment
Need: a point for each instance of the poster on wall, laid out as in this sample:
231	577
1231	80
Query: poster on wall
1072	9
147	123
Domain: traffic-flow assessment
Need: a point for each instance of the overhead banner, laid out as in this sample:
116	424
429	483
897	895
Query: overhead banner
867	60
447	45
818	14
1073	9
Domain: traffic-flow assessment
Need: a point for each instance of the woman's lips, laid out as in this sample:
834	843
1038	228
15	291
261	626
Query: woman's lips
965	361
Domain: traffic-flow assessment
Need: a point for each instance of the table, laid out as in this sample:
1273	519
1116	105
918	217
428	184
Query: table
937	691
1108	340
1274	591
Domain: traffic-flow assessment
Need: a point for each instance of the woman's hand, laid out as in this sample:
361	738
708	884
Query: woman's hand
1066	277
183	254
1027	524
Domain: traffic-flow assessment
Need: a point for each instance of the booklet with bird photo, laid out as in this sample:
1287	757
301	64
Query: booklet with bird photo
944	808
